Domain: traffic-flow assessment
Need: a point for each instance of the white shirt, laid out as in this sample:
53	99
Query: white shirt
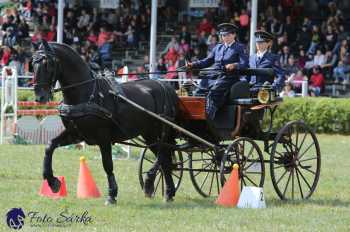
229	45
260	54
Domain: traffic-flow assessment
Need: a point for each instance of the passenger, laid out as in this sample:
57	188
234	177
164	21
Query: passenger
265	59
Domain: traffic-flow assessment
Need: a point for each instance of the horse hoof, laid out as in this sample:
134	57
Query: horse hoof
168	199
148	189
110	201
54	184
149	195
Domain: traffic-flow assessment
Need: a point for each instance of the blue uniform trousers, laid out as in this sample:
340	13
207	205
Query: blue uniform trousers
218	88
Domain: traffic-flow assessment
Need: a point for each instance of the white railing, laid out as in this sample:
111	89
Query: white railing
124	78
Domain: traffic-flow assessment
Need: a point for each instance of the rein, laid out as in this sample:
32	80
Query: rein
73	85
247	71
129	74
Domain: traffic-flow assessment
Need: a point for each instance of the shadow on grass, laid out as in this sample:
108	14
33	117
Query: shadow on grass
186	203
308	202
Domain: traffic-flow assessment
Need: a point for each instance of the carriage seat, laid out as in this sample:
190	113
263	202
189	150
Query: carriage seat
239	90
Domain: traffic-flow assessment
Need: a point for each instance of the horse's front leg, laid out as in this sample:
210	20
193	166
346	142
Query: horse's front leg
65	138
106	152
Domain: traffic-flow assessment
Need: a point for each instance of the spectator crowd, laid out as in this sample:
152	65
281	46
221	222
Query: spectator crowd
315	49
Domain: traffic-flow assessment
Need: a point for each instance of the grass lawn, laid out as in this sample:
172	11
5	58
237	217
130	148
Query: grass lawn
20	179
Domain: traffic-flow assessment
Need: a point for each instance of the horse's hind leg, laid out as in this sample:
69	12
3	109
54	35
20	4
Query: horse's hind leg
166	166
163	161
148	187
65	138
106	152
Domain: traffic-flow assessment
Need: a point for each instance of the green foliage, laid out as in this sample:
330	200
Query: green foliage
28	95
326	115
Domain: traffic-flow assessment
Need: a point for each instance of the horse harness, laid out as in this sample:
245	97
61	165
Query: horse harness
95	105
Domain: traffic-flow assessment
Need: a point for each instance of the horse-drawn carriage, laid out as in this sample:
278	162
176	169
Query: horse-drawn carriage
244	123
99	111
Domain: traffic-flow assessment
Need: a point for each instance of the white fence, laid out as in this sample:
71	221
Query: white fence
304	84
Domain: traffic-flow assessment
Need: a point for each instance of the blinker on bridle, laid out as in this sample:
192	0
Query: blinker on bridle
48	57
50	60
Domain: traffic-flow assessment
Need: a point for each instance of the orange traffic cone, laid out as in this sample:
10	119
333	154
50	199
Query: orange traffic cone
46	191
229	194
86	185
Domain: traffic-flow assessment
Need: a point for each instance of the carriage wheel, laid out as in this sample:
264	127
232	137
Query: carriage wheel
247	154
147	159
295	161
204	172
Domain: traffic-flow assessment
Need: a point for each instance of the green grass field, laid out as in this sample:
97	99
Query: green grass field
20	179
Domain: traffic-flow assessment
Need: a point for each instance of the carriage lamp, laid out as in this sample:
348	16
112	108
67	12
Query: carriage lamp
264	96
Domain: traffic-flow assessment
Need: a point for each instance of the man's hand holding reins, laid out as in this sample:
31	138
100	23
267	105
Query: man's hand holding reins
230	67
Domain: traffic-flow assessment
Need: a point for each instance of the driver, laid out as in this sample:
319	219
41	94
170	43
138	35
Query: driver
226	56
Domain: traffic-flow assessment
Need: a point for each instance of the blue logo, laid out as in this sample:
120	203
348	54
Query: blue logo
15	218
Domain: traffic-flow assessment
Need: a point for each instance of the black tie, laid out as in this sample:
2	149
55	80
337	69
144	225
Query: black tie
258	59
223	54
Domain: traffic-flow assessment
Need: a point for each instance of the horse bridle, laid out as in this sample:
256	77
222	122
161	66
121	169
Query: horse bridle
51	62
49	58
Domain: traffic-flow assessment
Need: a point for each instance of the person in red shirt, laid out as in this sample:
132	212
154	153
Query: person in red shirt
171	55
103	37
171	70
5	59
39	34
51	35
92	37
244	18
205	26
244	22
317	81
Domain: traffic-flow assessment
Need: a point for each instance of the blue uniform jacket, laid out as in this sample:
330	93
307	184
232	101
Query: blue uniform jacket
221	56
268	60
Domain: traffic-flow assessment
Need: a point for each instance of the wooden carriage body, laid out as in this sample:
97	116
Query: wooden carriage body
246	114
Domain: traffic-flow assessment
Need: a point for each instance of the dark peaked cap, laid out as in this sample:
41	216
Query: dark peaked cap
263	36
225	28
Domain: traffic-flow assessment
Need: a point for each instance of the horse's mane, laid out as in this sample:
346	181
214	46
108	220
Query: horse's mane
72	51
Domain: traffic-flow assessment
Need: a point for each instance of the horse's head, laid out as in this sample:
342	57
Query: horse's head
45	66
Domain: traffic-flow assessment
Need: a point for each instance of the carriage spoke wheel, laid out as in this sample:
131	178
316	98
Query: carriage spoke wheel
295	161
247	154
147	160
204	172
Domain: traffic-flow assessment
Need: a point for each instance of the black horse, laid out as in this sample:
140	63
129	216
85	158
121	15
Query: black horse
92	112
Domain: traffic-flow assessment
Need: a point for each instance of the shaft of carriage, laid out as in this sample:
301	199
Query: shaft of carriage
169	123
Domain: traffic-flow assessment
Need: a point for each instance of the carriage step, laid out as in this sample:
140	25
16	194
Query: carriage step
188	147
